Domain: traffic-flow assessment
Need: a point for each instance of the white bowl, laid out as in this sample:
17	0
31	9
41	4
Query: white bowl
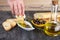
28	23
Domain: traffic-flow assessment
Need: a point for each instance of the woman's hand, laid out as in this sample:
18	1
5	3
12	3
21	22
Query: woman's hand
17	7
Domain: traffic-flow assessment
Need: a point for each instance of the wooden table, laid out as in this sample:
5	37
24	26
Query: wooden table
19	34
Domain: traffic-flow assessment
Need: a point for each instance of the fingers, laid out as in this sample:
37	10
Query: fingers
12	9
16	9
22	13
21	9
10	2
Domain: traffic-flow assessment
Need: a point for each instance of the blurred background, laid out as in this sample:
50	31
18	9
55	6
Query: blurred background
30	5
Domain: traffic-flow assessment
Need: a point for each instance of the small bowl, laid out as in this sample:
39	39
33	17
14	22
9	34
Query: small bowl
27	23
38	26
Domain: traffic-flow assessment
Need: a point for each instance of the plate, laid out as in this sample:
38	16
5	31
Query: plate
27	23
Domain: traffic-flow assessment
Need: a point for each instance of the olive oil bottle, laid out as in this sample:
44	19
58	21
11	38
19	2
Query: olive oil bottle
52	28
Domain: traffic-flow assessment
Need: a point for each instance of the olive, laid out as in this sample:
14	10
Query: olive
44	22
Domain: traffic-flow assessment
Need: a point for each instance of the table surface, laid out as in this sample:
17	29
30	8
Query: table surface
19	34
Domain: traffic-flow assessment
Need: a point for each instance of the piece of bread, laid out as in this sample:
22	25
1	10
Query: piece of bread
9	24
42	15
6	25
20	19
46	16
12	22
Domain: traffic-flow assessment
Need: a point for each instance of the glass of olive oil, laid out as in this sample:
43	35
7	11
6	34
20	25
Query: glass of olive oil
53	27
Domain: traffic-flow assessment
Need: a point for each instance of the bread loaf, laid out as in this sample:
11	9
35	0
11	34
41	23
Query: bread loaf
46	16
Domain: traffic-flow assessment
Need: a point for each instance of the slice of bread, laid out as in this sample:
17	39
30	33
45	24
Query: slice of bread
46	16
12	22
6	25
